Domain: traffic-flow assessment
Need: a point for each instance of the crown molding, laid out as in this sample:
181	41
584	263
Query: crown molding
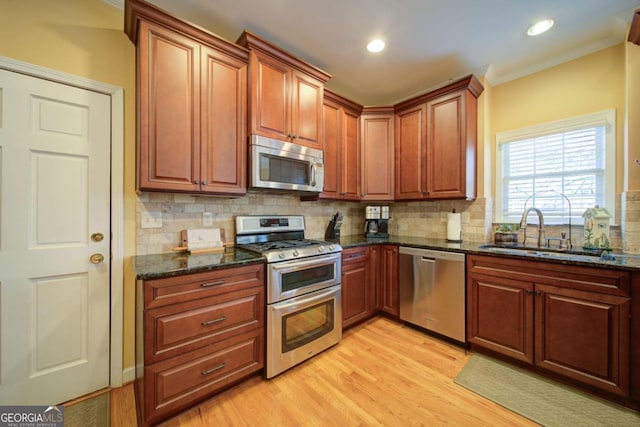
118	4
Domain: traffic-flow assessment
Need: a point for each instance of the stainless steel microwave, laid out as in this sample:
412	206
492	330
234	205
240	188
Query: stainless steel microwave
285	166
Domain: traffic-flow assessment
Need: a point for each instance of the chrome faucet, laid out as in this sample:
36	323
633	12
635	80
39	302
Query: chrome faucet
523	225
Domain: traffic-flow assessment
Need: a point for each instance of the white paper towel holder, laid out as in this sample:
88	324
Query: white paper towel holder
451	226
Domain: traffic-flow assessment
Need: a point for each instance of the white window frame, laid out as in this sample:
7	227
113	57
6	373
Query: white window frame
606	118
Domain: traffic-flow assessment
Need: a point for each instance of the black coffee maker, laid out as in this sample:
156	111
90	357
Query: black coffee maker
376	221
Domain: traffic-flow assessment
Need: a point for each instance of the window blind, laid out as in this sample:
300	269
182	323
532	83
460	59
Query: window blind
537	170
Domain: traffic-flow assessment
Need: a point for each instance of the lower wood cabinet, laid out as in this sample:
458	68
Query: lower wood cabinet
196	335
388	286
369	283
358	286
571	321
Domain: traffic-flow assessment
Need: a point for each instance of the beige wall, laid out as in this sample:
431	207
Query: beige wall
632	117
84	38
586	85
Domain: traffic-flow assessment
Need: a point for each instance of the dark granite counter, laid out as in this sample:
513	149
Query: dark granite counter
576	256
158	266
173	264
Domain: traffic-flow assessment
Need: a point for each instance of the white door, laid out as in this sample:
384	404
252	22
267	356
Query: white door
54	194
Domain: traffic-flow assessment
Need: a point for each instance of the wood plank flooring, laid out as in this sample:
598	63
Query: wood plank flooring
381	374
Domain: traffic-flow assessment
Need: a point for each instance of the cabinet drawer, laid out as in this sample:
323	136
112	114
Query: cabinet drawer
175	384
189	287
174	329
590	279
358	254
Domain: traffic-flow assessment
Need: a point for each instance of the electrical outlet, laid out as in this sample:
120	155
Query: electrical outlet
151	219
207	219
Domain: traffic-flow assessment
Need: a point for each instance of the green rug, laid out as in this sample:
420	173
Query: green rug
539	399
94	412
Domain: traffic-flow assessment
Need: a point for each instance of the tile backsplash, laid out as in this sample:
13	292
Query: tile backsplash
179	212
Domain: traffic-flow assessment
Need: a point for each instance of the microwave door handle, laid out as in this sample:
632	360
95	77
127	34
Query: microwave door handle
313	175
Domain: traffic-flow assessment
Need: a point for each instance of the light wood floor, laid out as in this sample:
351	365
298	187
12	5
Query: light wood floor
382	373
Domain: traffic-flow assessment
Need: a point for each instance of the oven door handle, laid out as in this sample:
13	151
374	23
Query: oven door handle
305	300
310	262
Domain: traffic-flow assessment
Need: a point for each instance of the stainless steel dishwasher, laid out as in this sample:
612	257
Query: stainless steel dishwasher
432	290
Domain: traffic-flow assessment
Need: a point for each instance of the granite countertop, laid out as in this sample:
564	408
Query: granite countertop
158	266
575	256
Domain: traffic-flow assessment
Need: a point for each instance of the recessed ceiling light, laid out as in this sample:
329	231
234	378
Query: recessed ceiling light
540	27
375	45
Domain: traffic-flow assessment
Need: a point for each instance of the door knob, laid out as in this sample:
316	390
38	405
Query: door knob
96	258
97	237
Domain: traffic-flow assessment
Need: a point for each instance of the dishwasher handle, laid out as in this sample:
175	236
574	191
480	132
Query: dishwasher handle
432	254
427	259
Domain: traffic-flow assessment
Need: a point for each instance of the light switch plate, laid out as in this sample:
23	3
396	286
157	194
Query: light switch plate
151	219
207	219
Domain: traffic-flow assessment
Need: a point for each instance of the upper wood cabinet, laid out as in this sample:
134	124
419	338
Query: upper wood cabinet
191	105
285	94
435	144
377	179
341	122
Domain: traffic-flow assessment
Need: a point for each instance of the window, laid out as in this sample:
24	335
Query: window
540	165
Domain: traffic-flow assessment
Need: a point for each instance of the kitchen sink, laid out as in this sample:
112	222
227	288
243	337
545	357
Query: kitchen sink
542	253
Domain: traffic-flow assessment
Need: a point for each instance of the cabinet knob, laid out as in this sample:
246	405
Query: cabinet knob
197	181
204	182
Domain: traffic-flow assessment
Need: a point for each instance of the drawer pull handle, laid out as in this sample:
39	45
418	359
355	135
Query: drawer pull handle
212	370
211	322
216	283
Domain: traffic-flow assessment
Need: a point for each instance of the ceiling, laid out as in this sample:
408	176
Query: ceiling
429	42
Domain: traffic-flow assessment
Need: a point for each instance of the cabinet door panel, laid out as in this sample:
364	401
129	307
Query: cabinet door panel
500	315
350	160
169	123
410	154
331	157
355	293
270	104
584	336
377	157
223	157
389	287
307	111
446	143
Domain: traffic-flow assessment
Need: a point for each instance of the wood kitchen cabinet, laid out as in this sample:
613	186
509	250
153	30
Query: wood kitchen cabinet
377	179
191	88
197	334
358	286
341	121
435	143
388	285
571	321
285	94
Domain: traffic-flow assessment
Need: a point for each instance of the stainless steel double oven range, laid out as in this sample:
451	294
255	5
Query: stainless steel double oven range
304	311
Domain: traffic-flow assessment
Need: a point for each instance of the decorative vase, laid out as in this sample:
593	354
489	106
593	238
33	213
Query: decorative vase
505	237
